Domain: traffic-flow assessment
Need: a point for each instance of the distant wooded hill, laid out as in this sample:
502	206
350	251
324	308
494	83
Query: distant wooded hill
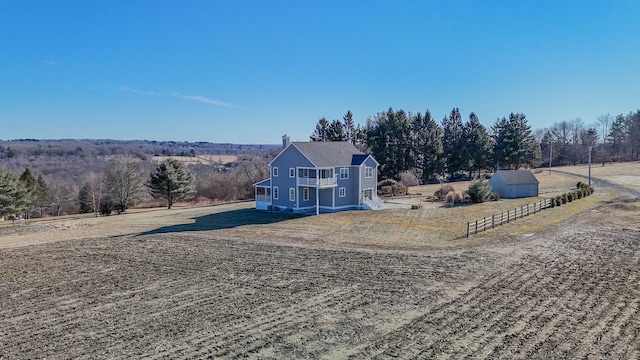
72	159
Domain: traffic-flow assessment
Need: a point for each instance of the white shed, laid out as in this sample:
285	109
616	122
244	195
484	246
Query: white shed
512	184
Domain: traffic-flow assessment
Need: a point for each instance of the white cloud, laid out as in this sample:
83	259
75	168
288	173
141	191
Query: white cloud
207	100
198	98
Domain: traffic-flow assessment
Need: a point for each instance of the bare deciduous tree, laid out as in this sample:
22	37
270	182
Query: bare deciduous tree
124	182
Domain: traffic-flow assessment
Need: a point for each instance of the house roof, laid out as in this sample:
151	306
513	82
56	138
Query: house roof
263	183
358	159
330	153
517	177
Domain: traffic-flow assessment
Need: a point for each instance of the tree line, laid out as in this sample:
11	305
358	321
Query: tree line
406	142
610	139
127	181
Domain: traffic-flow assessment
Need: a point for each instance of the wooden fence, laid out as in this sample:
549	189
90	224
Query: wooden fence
473	227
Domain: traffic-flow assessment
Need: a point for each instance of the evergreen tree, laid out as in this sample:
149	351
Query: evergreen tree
172	181
30	183
427	146
514	144
477	144
453	142
321	131
15	198
350	131
618	137
633	135
28	179
335	131
40	195
389	138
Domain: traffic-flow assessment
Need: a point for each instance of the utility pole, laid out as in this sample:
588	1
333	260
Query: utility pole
590	148
550	154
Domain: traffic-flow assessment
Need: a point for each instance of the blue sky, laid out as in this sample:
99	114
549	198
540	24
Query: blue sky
250	71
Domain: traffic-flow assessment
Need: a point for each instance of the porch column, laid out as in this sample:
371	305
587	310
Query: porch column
317	200
333	197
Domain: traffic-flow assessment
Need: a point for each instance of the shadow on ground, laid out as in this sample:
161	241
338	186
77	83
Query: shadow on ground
227	220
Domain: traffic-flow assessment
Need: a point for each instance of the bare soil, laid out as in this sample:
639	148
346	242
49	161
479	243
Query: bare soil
221	282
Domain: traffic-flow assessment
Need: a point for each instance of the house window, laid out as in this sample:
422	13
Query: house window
292	194
342	192
305	194
344	173
368	172
292	172
275	192
275	171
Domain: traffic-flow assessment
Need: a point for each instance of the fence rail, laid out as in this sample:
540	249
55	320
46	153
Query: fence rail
473	227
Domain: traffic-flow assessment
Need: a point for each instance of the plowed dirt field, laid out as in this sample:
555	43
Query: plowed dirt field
571	290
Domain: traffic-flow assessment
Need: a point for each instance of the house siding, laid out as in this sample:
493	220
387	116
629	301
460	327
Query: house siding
368	183
291	157
351	185
317	157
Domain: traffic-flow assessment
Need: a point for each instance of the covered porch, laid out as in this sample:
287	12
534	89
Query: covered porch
263	194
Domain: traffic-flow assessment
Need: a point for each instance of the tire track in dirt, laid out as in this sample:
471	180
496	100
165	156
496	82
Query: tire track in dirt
181	296
537	327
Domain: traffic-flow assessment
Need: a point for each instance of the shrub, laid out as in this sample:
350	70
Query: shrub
479	191
443	191
385	190
570	196
557	200
579	193
106	207
398	189
387	182
580	185
454	197
564	198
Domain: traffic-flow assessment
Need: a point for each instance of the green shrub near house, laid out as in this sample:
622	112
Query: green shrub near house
479	191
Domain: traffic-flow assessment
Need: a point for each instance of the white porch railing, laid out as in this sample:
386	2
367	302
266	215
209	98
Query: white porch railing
374	203
318	182
263	198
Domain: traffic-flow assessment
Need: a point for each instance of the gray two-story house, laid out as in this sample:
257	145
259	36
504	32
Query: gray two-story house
319	176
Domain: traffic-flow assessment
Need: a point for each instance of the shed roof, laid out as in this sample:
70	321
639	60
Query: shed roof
517	177
330	153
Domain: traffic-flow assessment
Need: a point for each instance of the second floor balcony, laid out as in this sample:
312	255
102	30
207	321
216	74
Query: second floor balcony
319	182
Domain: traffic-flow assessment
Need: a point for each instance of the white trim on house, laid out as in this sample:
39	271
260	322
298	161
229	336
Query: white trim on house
368	172
292	172
292	194
342	192
305	194
344	173
275	171
275	194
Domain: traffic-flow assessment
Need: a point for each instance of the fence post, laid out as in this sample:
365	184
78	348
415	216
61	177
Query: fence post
468	226
476	226
493	221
